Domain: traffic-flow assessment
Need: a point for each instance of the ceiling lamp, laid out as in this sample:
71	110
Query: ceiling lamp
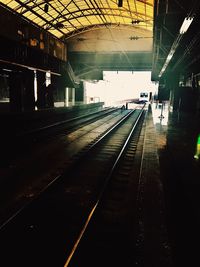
185	25
169	57
134	38
136	21
46	8
59	25
120	3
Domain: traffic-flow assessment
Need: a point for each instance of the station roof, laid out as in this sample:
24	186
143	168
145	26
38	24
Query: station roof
64	18
161	36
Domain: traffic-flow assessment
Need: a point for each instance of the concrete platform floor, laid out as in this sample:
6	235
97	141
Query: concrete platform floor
179	157
169	217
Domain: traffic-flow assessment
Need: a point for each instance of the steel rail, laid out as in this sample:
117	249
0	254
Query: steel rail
73	164
91	213
50	126
41	199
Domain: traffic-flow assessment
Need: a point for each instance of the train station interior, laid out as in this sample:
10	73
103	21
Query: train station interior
61	64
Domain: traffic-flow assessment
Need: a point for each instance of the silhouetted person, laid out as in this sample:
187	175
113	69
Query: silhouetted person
122	108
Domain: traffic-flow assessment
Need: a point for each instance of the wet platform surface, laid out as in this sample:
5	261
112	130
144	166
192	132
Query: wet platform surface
178	151
153	248
169	198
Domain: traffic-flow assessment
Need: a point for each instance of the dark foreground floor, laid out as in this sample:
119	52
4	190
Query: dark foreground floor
177	135
169	192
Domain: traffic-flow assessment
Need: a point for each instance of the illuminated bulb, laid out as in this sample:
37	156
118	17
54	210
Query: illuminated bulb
185	25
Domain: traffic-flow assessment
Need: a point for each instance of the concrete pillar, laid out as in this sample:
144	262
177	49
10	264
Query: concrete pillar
50	96
66	97
175	93
15	91
164	89
172	84
79	97
73	96
28	90
69	96
188	95
41	89
84	94
57	92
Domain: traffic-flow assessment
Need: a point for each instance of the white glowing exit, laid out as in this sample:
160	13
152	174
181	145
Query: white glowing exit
118	86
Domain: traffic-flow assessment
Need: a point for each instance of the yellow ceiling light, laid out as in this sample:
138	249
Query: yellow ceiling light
64	18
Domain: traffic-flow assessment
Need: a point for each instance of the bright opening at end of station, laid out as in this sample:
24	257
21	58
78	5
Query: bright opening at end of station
119	87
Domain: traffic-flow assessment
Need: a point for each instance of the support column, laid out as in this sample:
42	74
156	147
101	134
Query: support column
15	91
175	94
57	90
28	90
84	94
41	89
50	96
172	83
66	97
73	96
79	97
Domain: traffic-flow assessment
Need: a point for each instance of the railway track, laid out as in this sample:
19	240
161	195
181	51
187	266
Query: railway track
45	161
17	143
69	124
48	230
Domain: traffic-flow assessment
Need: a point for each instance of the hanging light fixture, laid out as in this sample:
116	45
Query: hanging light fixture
136	21
185	25
133	37
120	3
46	8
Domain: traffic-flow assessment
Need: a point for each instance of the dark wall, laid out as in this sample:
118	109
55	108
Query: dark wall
89	65
79	95
16	53
163	93
186	99
17	29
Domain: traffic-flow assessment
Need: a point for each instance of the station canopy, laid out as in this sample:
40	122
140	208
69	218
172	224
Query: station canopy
64	18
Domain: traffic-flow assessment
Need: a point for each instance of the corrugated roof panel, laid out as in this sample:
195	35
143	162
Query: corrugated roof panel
11	4
6	2
33	17
39	21
55	32
73	15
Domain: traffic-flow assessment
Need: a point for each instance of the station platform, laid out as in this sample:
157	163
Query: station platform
29	120
177	140
168	213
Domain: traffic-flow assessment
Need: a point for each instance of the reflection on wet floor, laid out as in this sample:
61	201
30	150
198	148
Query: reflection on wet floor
160	112
178	145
